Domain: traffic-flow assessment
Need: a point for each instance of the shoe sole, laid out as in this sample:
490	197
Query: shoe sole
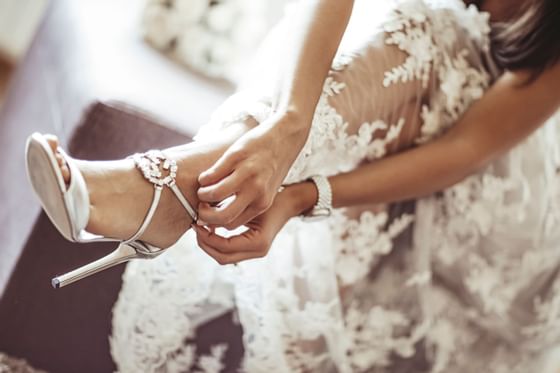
47	182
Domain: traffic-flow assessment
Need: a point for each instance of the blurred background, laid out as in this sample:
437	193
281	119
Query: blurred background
212	38
18	21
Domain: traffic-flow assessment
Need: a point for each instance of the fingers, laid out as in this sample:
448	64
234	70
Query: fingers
246	216
222	168
224	214
221	190
224	245
229	250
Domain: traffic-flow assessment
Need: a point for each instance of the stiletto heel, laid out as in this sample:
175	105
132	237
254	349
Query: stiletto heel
122	254
68	206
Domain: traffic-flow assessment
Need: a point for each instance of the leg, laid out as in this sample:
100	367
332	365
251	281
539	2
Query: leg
120	196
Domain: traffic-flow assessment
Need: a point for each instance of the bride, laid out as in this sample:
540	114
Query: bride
344	119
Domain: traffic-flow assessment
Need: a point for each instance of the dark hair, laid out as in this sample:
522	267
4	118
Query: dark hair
532	41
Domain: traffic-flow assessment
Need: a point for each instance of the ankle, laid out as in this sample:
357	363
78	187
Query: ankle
171	219
118	195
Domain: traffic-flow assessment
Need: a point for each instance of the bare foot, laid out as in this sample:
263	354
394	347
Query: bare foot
120	196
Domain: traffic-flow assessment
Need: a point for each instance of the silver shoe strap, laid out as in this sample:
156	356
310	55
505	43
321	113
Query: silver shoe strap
152	164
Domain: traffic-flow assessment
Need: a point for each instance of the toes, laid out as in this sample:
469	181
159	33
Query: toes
65	174
59	159
63	168
53	143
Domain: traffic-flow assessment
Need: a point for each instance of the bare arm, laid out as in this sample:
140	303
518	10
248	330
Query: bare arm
308	51
507	114
253	168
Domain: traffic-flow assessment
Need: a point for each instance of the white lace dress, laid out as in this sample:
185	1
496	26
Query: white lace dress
464	281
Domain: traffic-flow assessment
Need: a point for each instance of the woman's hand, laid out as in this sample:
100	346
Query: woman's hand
261	231
255	166
251	171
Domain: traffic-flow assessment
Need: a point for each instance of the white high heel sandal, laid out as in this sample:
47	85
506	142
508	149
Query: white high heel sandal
68	206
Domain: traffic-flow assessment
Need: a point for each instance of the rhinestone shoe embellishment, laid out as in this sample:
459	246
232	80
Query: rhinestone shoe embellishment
161	171
152	164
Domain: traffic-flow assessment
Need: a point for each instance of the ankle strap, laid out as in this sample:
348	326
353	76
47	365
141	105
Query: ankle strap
153	164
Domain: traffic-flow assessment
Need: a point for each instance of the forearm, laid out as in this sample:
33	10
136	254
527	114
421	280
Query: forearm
408	175
506	115
411	174
309	47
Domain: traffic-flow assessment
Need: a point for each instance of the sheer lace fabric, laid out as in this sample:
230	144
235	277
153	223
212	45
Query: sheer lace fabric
467	280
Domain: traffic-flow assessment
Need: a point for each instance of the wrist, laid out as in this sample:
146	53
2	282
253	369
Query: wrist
300	197
292	121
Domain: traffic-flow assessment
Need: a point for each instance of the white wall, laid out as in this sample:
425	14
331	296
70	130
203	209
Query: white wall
18	22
